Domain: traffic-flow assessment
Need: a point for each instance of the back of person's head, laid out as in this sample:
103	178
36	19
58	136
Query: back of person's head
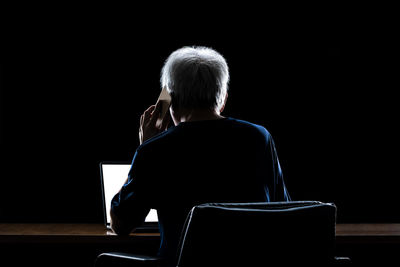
196	78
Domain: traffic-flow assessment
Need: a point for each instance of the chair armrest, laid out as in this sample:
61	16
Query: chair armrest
112	259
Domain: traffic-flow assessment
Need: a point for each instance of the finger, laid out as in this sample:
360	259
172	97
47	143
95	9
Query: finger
140	136
150	108
156	112
148	113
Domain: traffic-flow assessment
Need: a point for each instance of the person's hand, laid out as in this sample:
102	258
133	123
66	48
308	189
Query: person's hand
148	123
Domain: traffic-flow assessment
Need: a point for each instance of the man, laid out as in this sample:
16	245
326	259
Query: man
203	158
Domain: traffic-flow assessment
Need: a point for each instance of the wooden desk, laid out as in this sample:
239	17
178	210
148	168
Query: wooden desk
97	233
369	244
69	245
67	233
368	233
79	244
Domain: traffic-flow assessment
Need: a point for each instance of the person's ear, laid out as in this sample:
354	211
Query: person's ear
223	106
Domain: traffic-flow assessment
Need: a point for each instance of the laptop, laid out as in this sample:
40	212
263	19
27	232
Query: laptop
113	175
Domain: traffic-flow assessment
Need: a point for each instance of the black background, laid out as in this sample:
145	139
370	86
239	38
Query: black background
75	81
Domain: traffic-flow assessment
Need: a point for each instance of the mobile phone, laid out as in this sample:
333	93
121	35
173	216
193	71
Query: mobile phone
165	101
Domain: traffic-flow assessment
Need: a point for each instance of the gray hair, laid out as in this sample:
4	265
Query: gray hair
196	77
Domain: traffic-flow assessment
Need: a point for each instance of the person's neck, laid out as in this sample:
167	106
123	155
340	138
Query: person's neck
197	115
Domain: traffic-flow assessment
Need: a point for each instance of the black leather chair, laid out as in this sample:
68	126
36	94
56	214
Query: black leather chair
250	234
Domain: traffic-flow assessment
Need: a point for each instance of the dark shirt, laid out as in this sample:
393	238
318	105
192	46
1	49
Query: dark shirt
225	160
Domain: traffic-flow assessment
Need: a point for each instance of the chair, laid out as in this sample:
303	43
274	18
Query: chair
250	234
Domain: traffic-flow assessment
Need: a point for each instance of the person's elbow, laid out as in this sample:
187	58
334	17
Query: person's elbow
118	226
120	231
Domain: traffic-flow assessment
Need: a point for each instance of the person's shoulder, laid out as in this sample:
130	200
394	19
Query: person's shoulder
156	141
250	127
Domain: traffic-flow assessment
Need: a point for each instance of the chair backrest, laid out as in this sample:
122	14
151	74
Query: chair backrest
247	234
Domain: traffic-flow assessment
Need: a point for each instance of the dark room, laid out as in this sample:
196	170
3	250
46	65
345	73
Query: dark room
79	86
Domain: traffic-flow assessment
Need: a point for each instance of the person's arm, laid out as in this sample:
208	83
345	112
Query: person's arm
120	227
280	192
130	206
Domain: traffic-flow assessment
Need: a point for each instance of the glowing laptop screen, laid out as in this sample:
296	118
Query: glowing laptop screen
114	177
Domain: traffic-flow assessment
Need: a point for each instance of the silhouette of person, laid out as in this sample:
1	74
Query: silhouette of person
205	157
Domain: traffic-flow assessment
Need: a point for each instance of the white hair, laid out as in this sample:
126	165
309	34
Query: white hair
196	77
